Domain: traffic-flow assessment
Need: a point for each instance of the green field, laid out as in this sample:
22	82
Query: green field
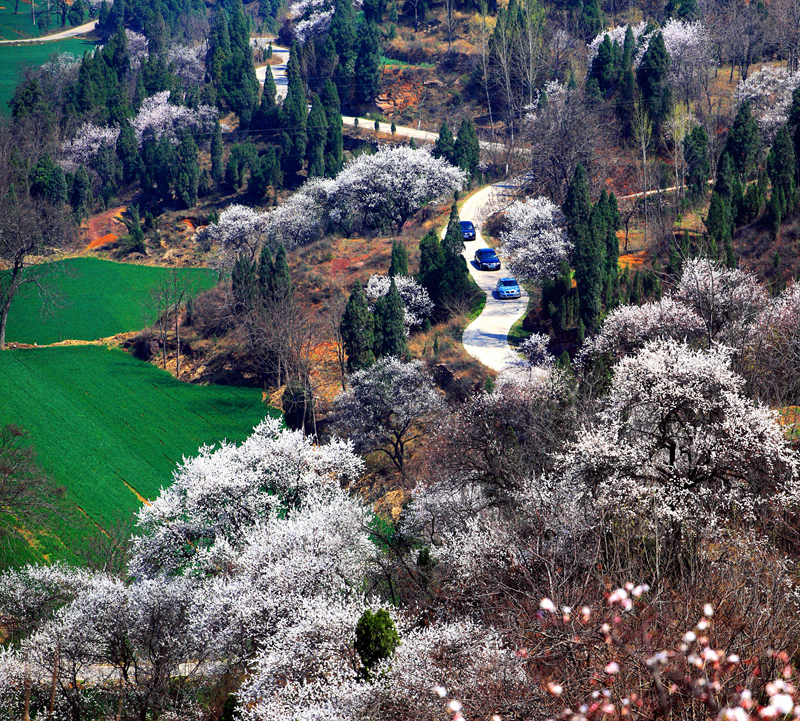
99	299
14	58
110	429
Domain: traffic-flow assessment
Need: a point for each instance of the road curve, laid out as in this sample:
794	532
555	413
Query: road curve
84	29
486	338
278	71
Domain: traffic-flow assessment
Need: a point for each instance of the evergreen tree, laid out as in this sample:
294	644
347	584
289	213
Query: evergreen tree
431	261
280	282
698	167
334	143
357	331
782	165
653	78
399	262
267	117
317	137
294	112
376	639
393	333
453	243
342	31
216	154
466	150
444	144
592	19
187	176
603	68
794	121
367	63
244	285
719	223
128	152
265	271
744	142
726	176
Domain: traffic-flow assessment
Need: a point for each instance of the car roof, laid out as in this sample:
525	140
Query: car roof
503	280
486	251
468	223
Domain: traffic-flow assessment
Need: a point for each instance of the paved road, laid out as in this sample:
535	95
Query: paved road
486	338
278	71
84	29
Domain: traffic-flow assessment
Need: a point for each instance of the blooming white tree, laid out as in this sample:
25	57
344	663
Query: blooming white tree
727	299
679	438
386	407
82	149
188	62
536	243
769	92
160	116
313	17
416	301
627	328
391	185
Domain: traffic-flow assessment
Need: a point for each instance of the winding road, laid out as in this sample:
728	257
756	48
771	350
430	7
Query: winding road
486	338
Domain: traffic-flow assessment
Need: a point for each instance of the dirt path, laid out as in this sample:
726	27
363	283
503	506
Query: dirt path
105	228
278	71
84	29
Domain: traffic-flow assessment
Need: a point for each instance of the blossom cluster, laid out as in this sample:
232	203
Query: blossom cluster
769	92
416	301
188	62
160	116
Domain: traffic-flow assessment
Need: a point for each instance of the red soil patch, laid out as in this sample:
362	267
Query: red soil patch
631	259
342	265
104	225
103	240
189	223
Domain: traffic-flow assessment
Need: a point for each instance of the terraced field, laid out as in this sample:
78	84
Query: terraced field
110	429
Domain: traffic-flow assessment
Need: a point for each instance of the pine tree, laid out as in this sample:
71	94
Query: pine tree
603	67
444	144
453	243
399	262
342	31
294	112
81	197
719	222
265	271
357	331
188	172
431	261
280	284
244	285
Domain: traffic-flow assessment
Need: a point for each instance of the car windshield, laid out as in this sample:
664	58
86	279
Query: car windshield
466	225
487	253
508	282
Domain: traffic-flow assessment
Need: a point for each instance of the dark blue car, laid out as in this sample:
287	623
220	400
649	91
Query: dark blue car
486	259
467	230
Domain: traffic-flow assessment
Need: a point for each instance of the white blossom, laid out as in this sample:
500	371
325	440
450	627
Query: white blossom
188	63
160	116
536	242
87	141
769	92
416	301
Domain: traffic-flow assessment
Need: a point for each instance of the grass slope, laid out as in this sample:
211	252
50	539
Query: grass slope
110	429
14	58
100	299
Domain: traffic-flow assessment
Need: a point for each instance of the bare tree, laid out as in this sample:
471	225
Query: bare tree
32	230
643	136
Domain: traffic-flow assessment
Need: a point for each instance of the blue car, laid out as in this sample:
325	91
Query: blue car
486	259
508	288
467	230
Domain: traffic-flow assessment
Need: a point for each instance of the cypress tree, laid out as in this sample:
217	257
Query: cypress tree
399	262
216	154
294	112
453	243
393	341
698	168
466	149
265	271
188	172
317	137
128	152
280	284
431	261
603	68
719	222
343	33
444	144
744	142
782	165
244	285
367	63
652	76
357	331
334	143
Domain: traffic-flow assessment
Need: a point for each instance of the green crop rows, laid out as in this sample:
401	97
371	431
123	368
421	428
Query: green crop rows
108	427
99	299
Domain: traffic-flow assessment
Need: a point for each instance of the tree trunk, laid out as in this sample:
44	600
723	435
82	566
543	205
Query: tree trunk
177	343
53	685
